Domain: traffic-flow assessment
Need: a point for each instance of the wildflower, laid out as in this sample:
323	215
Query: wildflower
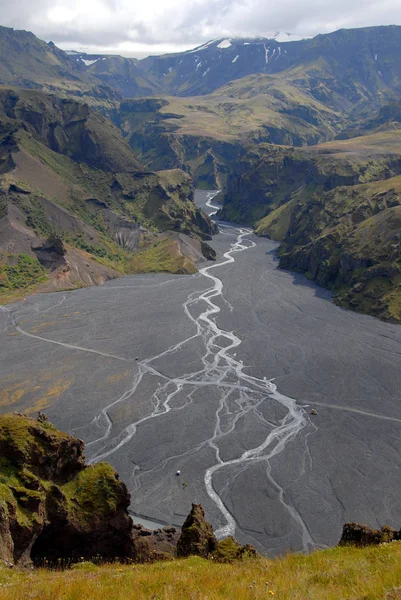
271	593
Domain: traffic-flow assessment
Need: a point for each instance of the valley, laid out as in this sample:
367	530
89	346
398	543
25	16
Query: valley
237	346
215	375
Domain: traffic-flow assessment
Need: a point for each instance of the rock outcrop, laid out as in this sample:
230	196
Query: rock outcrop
53	506
229	550
55	509
159	544
197	535
357	534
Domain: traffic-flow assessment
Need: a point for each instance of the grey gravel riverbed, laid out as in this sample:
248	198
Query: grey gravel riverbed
215	375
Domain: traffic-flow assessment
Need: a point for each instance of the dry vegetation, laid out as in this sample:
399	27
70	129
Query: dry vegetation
341	573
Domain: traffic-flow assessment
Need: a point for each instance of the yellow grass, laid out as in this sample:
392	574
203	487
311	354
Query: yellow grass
340	573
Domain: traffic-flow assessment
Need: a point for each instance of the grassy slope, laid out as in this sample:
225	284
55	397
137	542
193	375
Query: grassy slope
244	108
206	133
354	574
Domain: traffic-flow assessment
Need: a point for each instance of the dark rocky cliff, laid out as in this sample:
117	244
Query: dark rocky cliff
336	209
52	505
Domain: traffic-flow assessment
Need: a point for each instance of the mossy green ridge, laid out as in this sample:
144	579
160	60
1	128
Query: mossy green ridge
20	271
52	506
349	240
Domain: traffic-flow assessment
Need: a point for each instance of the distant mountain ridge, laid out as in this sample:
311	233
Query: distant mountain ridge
360	65
353	69
28	62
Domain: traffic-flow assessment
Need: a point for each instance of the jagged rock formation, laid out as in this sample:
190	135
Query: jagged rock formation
197	535
356	534
53	506
68	127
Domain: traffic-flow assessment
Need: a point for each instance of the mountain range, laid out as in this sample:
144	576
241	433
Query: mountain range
302	136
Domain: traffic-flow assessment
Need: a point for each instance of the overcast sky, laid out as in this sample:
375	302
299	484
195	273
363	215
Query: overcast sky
143	27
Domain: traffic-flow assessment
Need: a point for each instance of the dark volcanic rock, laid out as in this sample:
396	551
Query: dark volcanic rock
197	535
356	534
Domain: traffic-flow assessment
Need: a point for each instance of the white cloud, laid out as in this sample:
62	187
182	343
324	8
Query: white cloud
138	28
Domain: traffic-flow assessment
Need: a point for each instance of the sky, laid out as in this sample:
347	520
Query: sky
143	27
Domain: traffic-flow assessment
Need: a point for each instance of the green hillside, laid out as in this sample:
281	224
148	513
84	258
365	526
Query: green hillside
75	200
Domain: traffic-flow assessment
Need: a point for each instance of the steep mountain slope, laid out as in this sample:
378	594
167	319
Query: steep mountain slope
336	209
69	128
75	204
301	93
267	176
349	240
355	68
388	118
349	70
124	75
28	62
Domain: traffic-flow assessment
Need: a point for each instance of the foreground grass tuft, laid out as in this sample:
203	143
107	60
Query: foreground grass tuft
355	574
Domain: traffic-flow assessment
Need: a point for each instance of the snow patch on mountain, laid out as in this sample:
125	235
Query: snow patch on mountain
224	44
89	62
